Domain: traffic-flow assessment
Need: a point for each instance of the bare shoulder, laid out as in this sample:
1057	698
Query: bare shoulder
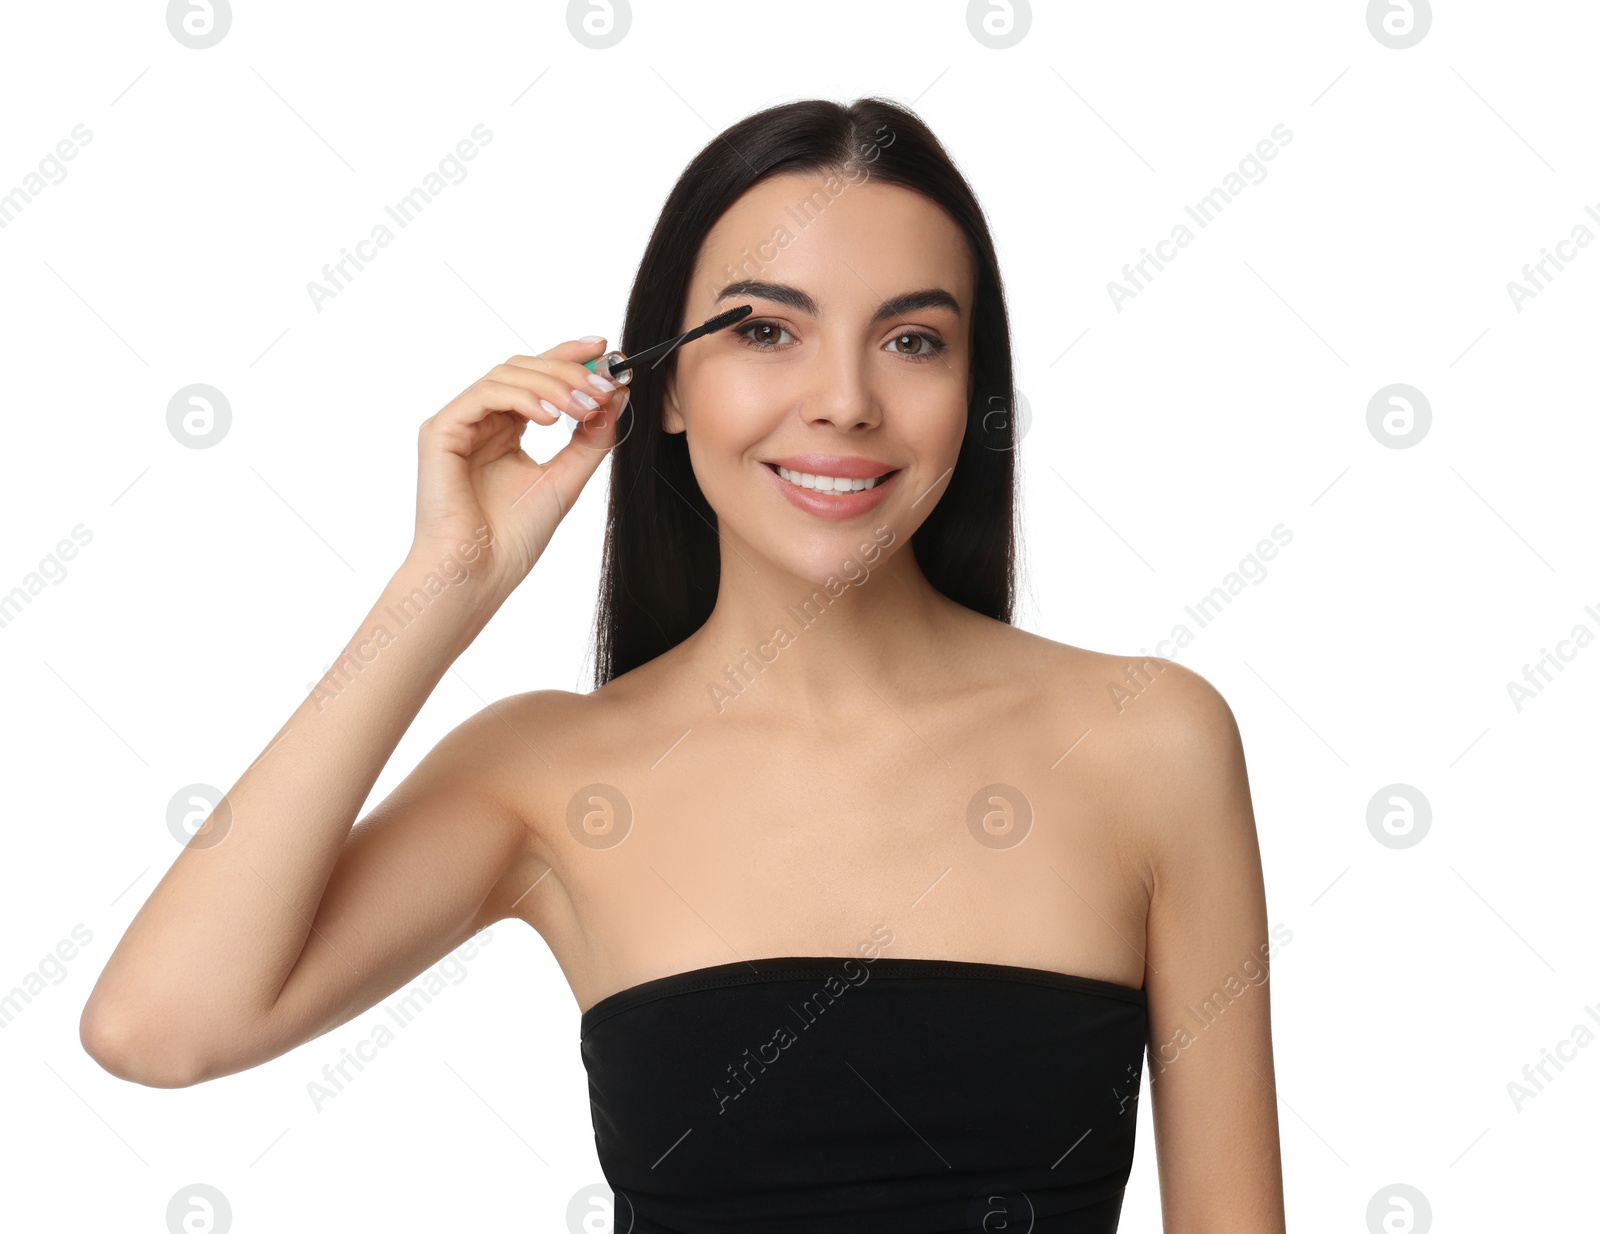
1184	751
1144	707
523	736
1159	737
531	745
512	735
506	749
1114	686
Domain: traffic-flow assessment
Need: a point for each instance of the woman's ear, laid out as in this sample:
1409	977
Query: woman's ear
671	416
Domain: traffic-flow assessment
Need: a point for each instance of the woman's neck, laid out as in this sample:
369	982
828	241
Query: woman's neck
823	648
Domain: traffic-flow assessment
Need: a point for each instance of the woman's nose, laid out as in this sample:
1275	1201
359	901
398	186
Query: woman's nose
839	390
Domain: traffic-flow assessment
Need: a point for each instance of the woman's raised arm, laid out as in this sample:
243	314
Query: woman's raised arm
277	921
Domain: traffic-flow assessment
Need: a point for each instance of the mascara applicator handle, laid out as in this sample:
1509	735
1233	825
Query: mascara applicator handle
622	376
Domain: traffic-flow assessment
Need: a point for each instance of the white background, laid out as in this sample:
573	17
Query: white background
1228	397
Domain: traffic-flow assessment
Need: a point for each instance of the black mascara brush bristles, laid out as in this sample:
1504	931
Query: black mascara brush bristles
720	320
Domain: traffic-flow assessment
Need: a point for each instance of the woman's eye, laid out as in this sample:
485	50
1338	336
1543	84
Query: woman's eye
770	336
760	334
918	346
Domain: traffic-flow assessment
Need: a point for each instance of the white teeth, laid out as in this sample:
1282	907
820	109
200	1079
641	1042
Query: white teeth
828	484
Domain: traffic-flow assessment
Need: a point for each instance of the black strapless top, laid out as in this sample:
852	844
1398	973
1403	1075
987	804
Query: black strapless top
886	1096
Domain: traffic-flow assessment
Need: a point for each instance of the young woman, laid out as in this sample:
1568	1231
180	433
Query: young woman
871	902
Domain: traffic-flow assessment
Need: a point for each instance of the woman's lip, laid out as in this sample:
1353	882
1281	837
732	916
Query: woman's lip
840	466
832	505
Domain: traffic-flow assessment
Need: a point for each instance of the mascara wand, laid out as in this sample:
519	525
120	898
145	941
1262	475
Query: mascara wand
620	368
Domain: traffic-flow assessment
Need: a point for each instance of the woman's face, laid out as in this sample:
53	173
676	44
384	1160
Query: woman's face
854	362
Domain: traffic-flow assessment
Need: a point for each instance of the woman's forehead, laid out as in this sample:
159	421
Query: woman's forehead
843	243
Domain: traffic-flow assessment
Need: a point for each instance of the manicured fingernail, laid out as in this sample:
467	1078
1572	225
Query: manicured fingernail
583	400
601	384
550	407
592	338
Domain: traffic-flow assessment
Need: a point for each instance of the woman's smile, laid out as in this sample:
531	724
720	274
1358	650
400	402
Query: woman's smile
821	495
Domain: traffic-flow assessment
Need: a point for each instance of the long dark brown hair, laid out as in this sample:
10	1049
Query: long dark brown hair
660	569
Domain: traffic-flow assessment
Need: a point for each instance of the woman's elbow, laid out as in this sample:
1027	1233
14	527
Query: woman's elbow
122	1045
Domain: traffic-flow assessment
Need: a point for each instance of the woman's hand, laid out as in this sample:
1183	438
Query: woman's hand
476	484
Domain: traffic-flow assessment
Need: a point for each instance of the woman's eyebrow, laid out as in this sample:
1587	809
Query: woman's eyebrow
894	306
